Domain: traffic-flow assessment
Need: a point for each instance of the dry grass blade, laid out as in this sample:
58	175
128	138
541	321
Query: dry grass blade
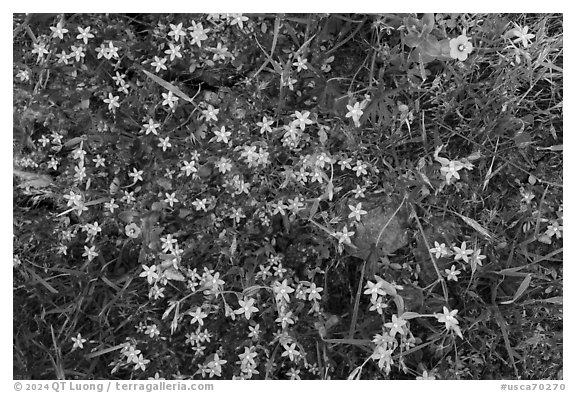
169	86
476	226
432	258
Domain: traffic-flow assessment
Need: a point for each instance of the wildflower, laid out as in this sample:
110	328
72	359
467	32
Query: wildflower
77	53
188	167
374	290
90	252
554	229
169	99
93	229
254	331
173	52
282	291
384	357
440	250
462	252
449	168
460	47
111	205
103	51
248	357
59	31
40	50
168	243
314	292
164	143
237	214
300	64
285	319
210	113
222	135
355	112
224	165
426	376
131	353
396	326
129	197
159	63
198	34
476	259
24	75
378	305
171	199
265	125
449	319
345	164
99	161
197	316
141	363
214	367
53	163
302	119
62	58
78	342
291	351
357	211
213	283
293	374
344	236
136	174
112	51
452	273
177	31
359	192
238	19
112	102
246	308
220	52
295	205
360	168
84	34
250	155
523	35
152	331
149	273
200	204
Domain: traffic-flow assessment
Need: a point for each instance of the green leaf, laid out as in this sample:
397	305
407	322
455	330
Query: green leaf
521	289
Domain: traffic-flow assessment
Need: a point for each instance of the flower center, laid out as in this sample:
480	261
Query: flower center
461	47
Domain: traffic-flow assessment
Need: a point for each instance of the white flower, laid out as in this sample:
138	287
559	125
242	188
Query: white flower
59	31
176	31
246	307
112	102
84	34
159	63
355	112
357	211
169	99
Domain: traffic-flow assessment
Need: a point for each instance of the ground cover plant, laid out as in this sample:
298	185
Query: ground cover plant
282	196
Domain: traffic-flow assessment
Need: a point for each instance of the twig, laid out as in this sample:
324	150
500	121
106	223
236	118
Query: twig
440	277
502	158
389	220
345	40
357	301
